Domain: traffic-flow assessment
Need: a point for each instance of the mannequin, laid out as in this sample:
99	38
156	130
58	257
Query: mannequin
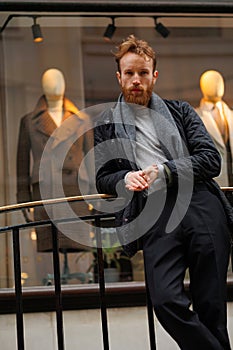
218	119
53	85
54	118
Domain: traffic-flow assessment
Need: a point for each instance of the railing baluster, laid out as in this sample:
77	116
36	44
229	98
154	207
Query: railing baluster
232	258
229	194
101	284
150	315
18	289
57	283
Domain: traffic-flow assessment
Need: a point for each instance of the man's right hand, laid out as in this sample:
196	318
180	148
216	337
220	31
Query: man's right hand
135	181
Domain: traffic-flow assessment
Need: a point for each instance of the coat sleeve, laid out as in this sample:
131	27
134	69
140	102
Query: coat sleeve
23	163
110	170
202	159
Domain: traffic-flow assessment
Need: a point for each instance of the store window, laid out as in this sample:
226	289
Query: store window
75	46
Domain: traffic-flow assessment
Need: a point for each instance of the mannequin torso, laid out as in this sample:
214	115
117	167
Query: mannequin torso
218	119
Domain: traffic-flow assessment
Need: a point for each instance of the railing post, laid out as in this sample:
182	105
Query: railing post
150	315
101	284
232	258
18	289
228	191
57	283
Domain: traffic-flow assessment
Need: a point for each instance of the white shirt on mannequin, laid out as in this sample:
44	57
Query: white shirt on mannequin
217	117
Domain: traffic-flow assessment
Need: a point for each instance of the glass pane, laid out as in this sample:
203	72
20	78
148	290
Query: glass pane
75	46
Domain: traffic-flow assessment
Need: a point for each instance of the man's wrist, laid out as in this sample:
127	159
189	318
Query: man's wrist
167	174
126	176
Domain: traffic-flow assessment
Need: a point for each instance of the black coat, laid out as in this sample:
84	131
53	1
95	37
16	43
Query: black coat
111	167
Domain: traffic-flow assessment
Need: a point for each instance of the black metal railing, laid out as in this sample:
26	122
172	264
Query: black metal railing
97	223
97	219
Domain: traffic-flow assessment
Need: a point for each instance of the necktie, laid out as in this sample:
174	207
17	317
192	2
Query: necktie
221	121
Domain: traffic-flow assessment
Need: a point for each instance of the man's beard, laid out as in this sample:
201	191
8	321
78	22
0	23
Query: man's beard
143	99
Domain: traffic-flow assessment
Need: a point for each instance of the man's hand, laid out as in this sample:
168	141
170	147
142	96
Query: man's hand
150	173
142	179
135	181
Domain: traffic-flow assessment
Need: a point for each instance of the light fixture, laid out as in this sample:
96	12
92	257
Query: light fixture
36	32
161	29
110	30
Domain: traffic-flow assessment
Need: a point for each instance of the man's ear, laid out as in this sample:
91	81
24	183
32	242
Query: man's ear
155	76
118	75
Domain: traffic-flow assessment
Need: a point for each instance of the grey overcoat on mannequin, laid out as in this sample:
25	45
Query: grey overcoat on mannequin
75	136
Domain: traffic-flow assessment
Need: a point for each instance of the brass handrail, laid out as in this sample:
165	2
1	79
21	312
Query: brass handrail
226	188
88	197
26	205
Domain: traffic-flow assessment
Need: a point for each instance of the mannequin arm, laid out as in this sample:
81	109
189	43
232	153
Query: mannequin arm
23	163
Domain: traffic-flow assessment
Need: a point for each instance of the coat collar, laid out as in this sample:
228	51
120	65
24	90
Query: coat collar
43	121
164	125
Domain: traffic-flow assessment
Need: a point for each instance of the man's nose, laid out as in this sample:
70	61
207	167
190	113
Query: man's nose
136	79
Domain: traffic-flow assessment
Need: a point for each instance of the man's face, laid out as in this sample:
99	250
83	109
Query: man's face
136	78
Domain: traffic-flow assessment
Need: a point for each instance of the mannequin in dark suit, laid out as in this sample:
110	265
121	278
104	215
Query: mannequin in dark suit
57	119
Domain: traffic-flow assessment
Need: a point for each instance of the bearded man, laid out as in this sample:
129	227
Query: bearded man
157	154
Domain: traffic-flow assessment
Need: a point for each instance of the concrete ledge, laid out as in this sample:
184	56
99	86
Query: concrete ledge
82	297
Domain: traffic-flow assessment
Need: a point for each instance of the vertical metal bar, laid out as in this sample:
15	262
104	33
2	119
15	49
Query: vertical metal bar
232	258
231	202
229	195
101	284
150	315
18	289
57	282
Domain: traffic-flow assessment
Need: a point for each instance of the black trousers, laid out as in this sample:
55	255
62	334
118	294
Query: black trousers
201	244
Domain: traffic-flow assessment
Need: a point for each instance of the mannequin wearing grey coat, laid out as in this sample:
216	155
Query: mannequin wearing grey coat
75	135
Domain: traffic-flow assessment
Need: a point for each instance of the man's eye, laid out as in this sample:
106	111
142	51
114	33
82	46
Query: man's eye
144	73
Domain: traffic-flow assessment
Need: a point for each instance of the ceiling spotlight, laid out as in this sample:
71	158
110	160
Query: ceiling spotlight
161	29
36	32
110	30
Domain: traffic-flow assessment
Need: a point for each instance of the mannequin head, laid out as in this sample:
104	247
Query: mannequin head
212	85
53	84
